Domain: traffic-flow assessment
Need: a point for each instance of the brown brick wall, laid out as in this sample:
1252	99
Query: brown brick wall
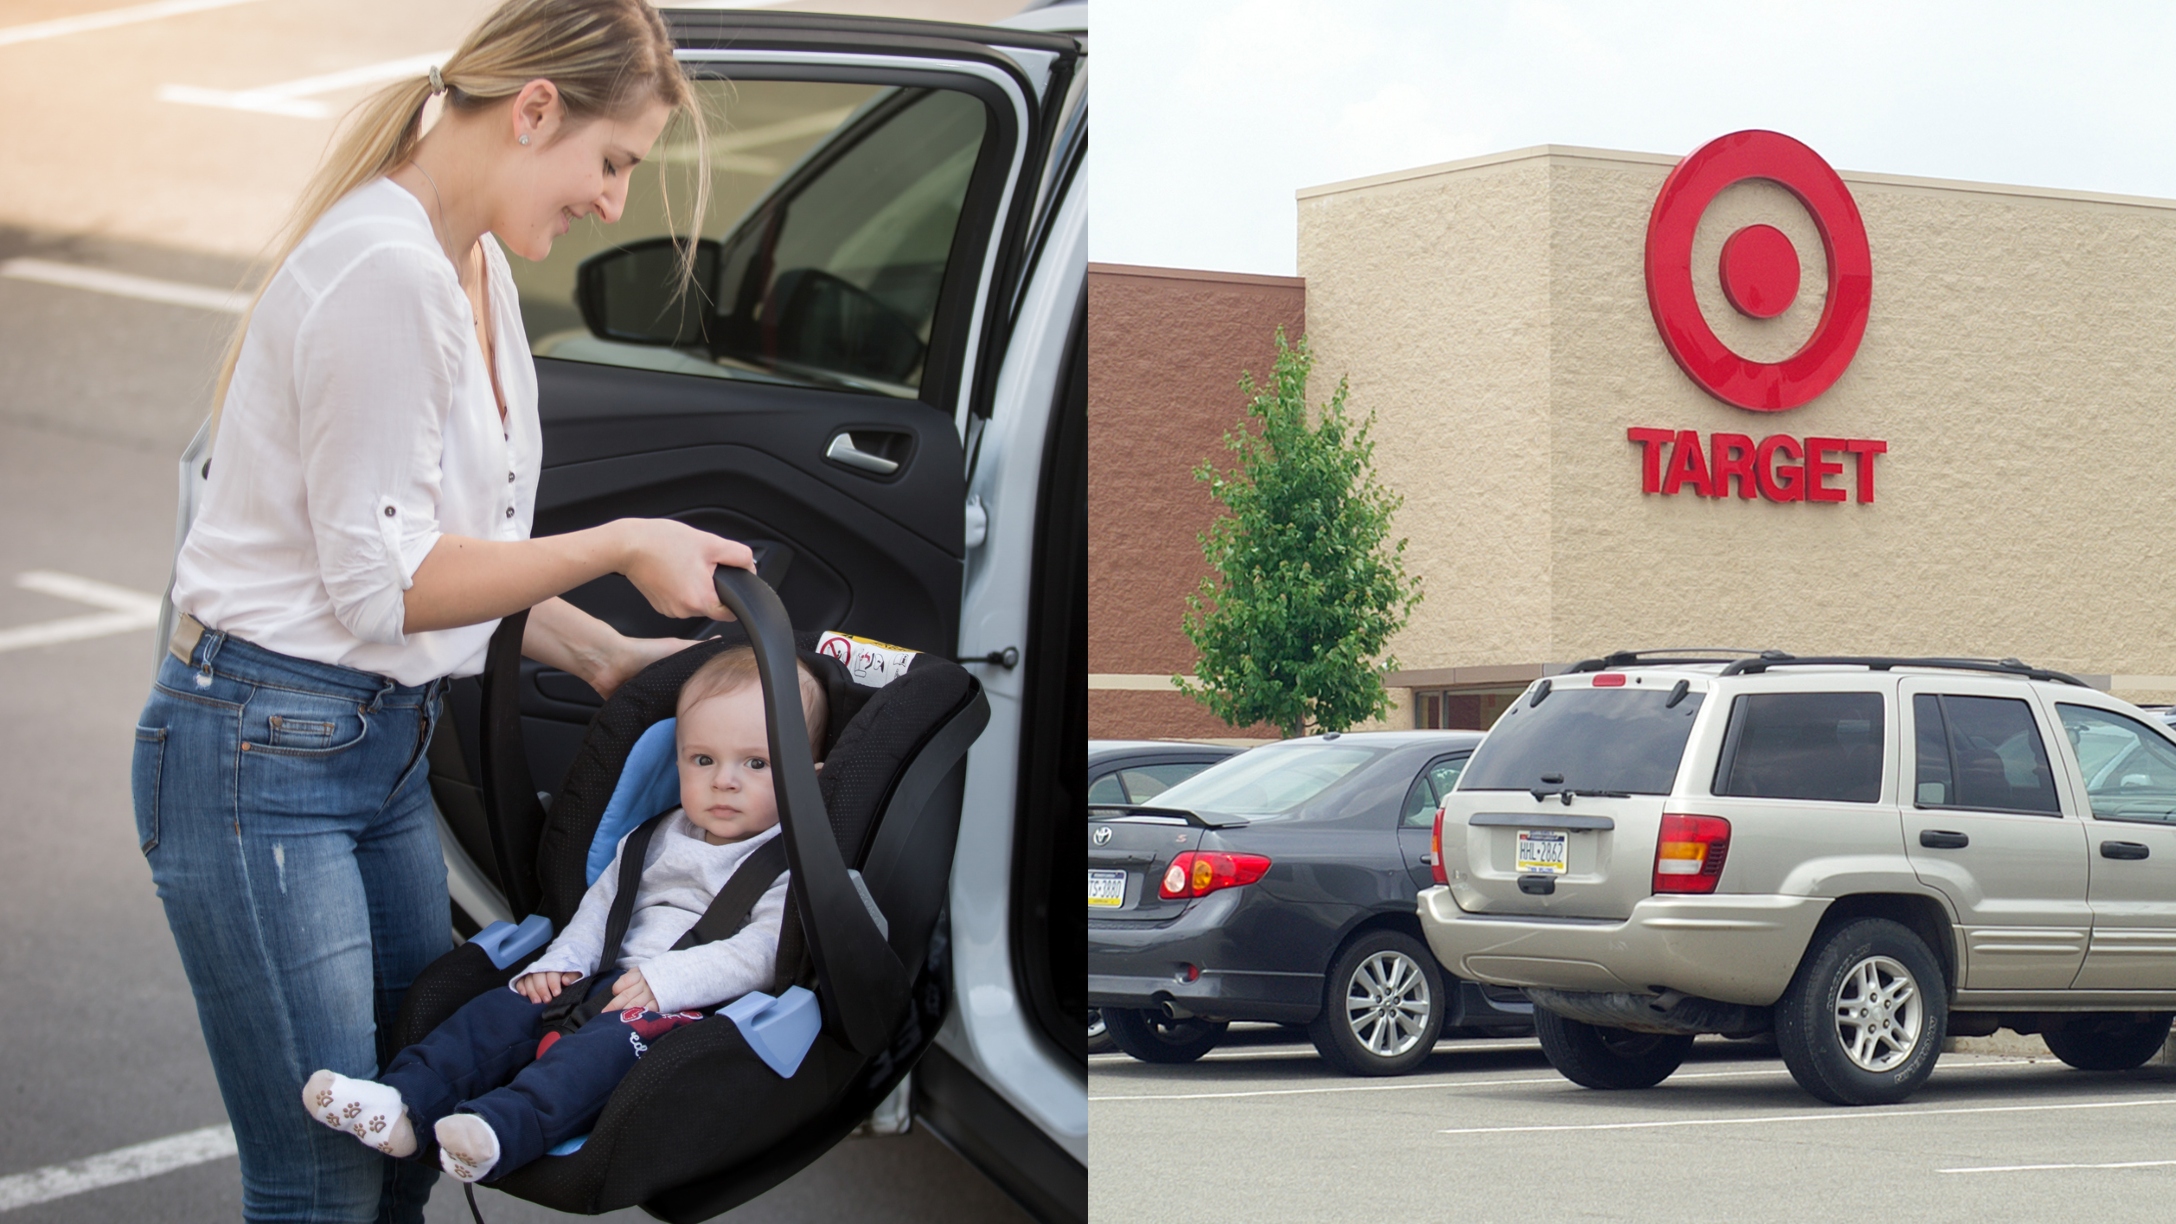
1165	351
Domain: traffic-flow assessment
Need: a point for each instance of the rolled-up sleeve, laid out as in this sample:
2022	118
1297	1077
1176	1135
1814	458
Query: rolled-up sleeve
375	364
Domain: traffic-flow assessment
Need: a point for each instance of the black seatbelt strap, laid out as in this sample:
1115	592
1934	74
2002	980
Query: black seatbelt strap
729	910
512	811
573	1008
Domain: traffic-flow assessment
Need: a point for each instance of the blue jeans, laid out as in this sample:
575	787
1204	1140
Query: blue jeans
483	1061
286	811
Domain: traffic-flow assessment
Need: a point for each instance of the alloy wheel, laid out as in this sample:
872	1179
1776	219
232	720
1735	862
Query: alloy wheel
1386	1003
1878	1014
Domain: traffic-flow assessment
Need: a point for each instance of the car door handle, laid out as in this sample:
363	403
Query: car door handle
1943	839
843	450
2123	850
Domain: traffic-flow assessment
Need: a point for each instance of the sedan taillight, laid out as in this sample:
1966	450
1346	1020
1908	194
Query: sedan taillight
1689	853
1435	851
1197	873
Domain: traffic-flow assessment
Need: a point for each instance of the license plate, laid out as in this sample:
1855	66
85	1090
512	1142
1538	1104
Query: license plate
1107	888
1542	851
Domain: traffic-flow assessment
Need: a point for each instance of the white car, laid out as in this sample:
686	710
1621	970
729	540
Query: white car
885	395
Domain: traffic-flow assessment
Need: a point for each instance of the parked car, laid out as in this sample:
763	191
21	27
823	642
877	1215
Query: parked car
1861	855
1279	885
1123	772
880	385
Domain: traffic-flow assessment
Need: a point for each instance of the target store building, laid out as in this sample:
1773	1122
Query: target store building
1735	398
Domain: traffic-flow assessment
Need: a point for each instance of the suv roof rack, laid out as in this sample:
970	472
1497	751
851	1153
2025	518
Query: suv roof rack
2004	667
1667	656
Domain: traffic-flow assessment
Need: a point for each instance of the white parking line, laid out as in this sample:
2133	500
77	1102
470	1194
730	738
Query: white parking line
2117	1164
1271	1053
292	98
1407	1086
126	611
113	1168
1834	1115
121	284
108	19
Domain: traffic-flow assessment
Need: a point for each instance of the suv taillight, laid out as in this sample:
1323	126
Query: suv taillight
1197	873
1689	853
1435	851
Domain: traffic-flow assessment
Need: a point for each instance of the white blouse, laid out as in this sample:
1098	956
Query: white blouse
360	426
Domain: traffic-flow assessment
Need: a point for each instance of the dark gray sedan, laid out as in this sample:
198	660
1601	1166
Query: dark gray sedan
1279	885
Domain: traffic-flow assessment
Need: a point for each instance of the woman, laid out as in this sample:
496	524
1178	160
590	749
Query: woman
365	525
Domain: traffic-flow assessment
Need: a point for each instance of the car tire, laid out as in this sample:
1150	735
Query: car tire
1863	1019
2115	1042
1152	1037
1382	1006
1099	1033
1596	1057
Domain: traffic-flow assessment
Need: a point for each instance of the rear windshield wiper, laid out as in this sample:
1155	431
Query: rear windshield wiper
1567	794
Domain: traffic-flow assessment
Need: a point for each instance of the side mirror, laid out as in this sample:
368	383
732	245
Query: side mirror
827	323
632	293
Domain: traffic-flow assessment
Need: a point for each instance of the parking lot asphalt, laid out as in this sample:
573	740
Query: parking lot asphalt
102	1050
1260	1130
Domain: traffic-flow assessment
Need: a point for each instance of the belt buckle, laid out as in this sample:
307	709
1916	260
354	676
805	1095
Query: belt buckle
188	631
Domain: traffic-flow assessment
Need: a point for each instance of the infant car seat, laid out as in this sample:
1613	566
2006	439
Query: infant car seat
704	1123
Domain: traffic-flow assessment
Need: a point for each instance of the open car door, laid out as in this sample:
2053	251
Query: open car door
883	195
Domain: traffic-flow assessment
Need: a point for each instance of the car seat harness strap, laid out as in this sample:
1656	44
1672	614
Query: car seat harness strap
727	914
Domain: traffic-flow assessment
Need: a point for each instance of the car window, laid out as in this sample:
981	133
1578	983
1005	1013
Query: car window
1980	752
1817	746
1420	804
1268	781
1106	791
831	221
1428	791
1590	739
1145	782
2130	770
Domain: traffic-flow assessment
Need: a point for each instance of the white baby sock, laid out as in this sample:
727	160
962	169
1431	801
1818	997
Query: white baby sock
467	1146
370	1111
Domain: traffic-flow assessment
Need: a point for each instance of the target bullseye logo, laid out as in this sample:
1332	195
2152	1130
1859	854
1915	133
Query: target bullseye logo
1759	271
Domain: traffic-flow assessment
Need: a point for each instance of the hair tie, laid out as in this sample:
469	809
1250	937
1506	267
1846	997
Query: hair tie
438	83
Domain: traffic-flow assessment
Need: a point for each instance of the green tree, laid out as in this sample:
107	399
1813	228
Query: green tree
1306	589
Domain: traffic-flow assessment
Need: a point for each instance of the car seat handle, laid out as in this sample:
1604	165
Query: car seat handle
862	984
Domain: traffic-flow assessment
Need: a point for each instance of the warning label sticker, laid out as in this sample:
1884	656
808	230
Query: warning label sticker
870	663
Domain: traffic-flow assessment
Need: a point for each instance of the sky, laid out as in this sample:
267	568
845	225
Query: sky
1212	113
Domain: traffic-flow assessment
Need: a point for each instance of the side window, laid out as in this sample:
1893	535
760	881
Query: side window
2130	770
1444	775
1819	746
1989	753
1420	805
829	232
1106	791
1428	790
1145	782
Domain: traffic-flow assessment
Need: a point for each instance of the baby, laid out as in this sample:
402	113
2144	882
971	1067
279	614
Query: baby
492	1100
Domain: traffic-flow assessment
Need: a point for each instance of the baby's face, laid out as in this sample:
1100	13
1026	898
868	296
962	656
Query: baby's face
725	767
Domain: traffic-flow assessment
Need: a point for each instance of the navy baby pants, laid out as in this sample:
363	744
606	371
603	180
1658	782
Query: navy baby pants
483	1061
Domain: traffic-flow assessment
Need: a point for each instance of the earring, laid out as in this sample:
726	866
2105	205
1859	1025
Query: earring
525	140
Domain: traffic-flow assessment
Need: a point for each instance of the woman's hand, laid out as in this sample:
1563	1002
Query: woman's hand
631	991
544	987
673	565
563	636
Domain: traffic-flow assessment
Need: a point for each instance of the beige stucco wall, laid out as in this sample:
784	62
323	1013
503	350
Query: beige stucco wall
2019	359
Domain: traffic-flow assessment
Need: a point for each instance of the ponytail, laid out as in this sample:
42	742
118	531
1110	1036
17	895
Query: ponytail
607	58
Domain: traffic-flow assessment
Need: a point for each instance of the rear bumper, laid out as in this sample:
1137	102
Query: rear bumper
1143	966
1736	949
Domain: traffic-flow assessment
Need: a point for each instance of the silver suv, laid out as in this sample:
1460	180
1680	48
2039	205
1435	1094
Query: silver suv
1863	855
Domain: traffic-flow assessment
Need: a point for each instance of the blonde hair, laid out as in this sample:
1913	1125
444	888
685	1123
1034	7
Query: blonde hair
734	669
607	58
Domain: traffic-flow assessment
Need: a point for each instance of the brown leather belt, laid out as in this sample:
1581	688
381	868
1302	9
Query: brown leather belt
187	632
